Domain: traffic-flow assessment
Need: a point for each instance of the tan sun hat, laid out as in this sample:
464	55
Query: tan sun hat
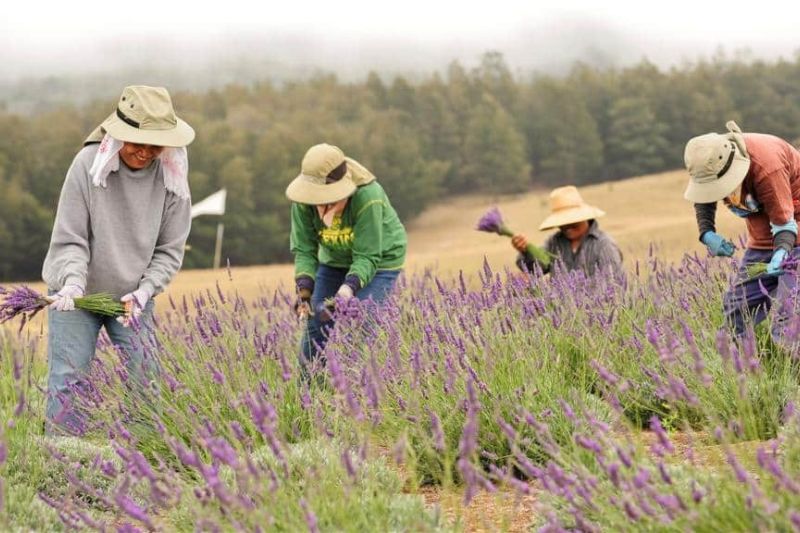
310	186
717	165
567	207
145	115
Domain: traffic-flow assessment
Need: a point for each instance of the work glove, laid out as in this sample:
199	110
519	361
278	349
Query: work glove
325	310
64	300
775	266
345	292
134	305
520	243
717	244
305	287
302	305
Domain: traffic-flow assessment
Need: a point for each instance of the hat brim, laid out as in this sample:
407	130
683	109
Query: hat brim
713	191
571	216
181	135
304	190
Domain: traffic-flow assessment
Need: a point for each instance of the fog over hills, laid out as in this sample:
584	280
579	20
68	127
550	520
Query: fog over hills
34	78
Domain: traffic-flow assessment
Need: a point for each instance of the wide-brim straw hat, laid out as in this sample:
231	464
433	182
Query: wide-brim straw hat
567	207
145	115
310	186
717	165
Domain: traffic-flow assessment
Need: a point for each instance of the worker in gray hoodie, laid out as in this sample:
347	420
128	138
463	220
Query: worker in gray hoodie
122	222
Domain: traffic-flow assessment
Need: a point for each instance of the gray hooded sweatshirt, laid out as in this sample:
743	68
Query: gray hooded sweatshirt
116	239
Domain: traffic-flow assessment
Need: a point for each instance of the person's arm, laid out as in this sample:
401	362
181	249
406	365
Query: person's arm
68	257
303	242
705	215
526	261
609	255
775	193
368	240
168	253
717	244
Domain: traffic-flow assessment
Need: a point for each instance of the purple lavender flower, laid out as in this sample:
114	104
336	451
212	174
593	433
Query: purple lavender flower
347	461
697	492
311	518
631	511
132	509
492	222
588	443
664	444
794	516
438	434
127	527
20	301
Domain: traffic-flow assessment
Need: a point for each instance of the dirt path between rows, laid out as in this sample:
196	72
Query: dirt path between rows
503	510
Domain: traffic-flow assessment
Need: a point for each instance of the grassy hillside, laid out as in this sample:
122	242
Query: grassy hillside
640	211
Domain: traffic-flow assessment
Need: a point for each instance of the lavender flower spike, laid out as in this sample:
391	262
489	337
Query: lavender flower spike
492	222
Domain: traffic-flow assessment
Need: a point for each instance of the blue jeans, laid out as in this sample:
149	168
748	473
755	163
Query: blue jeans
327	282
71	343
747	300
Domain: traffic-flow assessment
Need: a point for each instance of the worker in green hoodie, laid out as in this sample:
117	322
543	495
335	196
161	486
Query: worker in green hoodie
346	238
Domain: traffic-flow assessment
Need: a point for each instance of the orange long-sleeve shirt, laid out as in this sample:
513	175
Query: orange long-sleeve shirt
774	181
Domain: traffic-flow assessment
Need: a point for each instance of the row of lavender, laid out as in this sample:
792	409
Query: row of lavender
567	385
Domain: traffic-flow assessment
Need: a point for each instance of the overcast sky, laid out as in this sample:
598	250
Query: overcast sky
43	38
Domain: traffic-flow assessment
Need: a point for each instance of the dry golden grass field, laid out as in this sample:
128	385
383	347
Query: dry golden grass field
640	211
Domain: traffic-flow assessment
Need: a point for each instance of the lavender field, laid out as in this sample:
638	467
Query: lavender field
619	404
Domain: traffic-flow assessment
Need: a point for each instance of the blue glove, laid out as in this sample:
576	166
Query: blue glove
775	264
717	244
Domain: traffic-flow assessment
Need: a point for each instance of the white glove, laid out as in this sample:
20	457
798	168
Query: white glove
64	300
345	291
134	305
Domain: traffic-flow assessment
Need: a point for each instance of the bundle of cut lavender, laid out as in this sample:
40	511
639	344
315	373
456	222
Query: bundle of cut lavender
492	222
26	302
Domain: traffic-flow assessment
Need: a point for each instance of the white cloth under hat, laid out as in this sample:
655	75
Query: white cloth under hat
174	164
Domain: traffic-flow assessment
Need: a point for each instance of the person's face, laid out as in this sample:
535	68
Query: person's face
576	231
139	156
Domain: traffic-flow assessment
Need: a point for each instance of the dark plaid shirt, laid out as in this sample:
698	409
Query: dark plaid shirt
598	251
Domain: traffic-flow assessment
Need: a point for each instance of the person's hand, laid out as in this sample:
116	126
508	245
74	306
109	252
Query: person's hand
717	244
302	306
345	292
775	266
134	305
64	300
520	243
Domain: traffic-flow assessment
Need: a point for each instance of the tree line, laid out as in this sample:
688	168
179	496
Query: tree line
478	130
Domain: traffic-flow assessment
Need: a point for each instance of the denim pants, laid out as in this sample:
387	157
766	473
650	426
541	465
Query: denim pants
747	300
71	343
327	282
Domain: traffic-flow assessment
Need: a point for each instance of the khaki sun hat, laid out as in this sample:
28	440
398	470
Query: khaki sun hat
567	207
145	115
717	165
310	186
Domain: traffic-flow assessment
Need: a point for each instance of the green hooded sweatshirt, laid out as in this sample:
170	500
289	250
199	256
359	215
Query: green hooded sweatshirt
367	237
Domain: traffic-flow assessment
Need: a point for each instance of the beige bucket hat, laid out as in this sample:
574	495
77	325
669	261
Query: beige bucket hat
145	115
310	186
717	164
567	207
